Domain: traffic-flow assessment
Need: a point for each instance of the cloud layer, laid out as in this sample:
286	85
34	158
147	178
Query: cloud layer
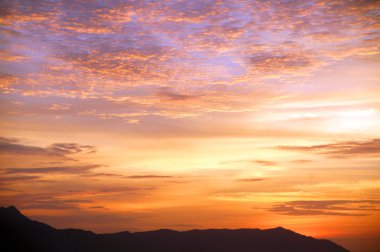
154	53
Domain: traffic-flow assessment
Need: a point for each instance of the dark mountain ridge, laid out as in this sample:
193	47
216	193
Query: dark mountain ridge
19	233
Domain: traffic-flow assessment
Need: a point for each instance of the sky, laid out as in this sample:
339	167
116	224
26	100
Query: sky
141	115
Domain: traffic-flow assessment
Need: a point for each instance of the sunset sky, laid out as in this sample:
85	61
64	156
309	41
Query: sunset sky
141	115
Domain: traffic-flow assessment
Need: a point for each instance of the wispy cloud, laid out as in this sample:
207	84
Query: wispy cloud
301	161
171	95
252	179
14	146
266	162
17	178
94	175
142	176
47	201
75	169
254	161
149	176
346	149
327	207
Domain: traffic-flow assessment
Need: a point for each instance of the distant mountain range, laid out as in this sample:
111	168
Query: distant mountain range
19	233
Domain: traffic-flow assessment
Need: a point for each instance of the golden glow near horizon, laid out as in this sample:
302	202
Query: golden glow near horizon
139	115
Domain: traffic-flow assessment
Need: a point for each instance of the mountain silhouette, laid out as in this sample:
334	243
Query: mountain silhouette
19	233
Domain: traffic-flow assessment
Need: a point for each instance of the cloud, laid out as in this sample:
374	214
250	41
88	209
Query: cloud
166	93
122	189
51	203
79	194
54	205
97	207
75	169
102	175
266	162
252	179
59	107
17	178
261	162
145	176
327	207
7	81
283	63
346	149
13	146
149	176
7	56
301	161
71	148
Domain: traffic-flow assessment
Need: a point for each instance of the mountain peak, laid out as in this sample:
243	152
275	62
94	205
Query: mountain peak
281	229
11	208
12	213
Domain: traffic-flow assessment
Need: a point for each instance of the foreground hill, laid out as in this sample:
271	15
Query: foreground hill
19	233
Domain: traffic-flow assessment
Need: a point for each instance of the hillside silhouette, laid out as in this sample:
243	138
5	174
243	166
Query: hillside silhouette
19	233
